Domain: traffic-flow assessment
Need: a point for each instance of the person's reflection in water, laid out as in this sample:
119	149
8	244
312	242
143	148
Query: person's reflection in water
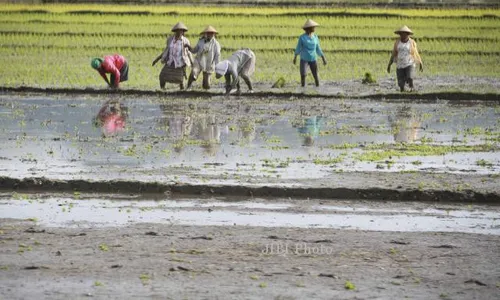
179	124
111	118
179	129
246	125
209	132
310	129
405	125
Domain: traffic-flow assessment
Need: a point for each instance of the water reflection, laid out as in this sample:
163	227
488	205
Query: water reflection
178	123
209	133
45	136
111	118
309	129
405	125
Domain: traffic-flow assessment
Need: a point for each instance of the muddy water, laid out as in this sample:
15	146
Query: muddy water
196	140
105	211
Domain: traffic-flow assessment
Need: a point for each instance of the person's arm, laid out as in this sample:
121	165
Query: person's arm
417	55
298	49
319	52
157	59
394	54
160	56
234	74
103	75
228	83
217	53
114	70
164	54
188	54
196	48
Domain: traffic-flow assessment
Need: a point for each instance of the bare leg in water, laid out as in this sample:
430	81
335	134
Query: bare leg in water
248	82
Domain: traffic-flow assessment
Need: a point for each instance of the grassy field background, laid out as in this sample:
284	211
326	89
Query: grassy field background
51	45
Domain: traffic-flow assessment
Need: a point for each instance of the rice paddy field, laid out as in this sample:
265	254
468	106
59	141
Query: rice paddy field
51	45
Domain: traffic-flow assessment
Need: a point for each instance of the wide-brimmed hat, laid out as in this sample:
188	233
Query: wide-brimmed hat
209	28
179	26
404	29
310	23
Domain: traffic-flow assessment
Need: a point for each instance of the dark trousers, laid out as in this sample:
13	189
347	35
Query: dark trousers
405	75
123	74
313	65
206	80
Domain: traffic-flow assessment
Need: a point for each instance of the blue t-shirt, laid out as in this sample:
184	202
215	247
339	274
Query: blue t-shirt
308	47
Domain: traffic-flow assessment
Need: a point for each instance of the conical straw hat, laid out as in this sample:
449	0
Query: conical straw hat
209	28
180	26
404	29
310	23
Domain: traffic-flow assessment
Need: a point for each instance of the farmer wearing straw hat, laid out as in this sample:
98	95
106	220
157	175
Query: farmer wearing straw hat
241	63
115	64
176	57
405	54
308	48
207	56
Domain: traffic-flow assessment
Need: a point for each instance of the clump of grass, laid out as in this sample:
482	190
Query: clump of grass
368	79
144	278
262	285
483	163
104	247
98	283
279	83
383	151
349	285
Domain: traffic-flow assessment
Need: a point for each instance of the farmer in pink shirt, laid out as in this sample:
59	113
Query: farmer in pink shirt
114	64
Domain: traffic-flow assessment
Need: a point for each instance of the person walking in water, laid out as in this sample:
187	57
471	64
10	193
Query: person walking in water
240	64
308	48
405	54
116	65
207	56
176	57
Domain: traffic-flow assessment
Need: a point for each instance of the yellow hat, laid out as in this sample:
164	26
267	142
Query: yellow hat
179	26
209	28
310	23
404	29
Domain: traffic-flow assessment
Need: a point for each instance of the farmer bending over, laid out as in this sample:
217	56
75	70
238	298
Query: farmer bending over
116	65
241	63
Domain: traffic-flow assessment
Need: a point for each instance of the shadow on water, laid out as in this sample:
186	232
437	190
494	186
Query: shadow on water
230	138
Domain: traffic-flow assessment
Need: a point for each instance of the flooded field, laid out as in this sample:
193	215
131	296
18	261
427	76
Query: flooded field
106	211
238	139
269	217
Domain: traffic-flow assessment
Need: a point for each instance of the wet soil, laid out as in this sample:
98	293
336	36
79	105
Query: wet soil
241	262
428	88
232	241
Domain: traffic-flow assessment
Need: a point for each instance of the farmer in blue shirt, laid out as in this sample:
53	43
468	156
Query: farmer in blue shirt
308	48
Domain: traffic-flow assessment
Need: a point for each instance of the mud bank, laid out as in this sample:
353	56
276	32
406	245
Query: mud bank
432	96
118	186
210	262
